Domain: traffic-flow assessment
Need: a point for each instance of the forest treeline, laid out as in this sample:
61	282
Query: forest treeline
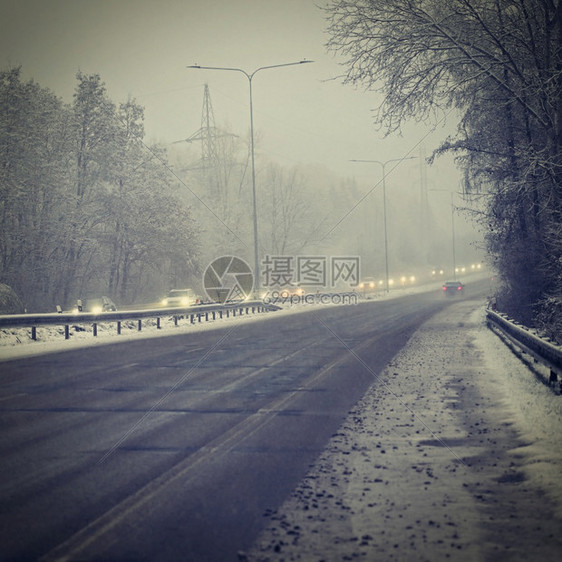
497	63
85	205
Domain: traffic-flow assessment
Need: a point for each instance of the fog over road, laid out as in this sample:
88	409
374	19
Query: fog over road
174	448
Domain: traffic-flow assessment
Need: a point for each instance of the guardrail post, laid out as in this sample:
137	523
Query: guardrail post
175	320
199	317
158	323
140	324
66	332
33	333
214	315
192	318
95	329
119	327
206	316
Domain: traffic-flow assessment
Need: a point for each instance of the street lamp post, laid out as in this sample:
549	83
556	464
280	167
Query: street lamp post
452	229
250	76
383	165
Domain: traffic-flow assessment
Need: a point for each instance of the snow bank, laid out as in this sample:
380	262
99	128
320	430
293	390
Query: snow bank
453	453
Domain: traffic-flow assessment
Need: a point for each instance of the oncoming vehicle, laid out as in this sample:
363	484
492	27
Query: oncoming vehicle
292	290
95	305
368	284
180	297
452	288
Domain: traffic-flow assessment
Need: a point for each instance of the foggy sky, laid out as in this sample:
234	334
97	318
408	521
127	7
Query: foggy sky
141	49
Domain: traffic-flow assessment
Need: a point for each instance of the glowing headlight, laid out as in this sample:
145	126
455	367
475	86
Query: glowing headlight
185	301
97	310
164	302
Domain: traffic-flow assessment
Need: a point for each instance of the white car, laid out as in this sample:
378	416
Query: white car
180	297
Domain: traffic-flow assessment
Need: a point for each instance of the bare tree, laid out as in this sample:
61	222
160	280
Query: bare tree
498	63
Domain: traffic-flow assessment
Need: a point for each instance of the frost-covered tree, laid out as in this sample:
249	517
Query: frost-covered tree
498	64
288	211
34	153
86	206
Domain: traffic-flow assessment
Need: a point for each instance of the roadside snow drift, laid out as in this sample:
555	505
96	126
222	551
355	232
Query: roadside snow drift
454	453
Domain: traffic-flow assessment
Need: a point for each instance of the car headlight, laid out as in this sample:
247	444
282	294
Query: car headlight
164	302
97	310
185	301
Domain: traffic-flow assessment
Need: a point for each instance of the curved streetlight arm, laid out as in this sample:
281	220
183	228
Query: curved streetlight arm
383	164
247	74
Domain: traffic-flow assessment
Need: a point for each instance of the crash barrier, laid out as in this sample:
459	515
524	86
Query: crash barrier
194	314
541	349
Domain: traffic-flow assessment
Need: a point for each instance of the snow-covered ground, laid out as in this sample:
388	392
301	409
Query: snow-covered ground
454	453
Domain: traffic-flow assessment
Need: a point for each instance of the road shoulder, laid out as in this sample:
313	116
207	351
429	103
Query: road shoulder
446	457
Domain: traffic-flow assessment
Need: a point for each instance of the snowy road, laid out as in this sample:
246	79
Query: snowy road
174	448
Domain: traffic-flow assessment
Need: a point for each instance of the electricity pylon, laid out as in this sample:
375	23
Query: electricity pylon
208	135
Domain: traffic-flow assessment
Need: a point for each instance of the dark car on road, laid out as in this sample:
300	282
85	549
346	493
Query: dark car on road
452	288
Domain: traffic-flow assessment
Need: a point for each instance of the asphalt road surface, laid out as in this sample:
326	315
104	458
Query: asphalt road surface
174	448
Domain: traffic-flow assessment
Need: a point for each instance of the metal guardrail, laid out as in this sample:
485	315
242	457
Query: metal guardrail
542	351
199	312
